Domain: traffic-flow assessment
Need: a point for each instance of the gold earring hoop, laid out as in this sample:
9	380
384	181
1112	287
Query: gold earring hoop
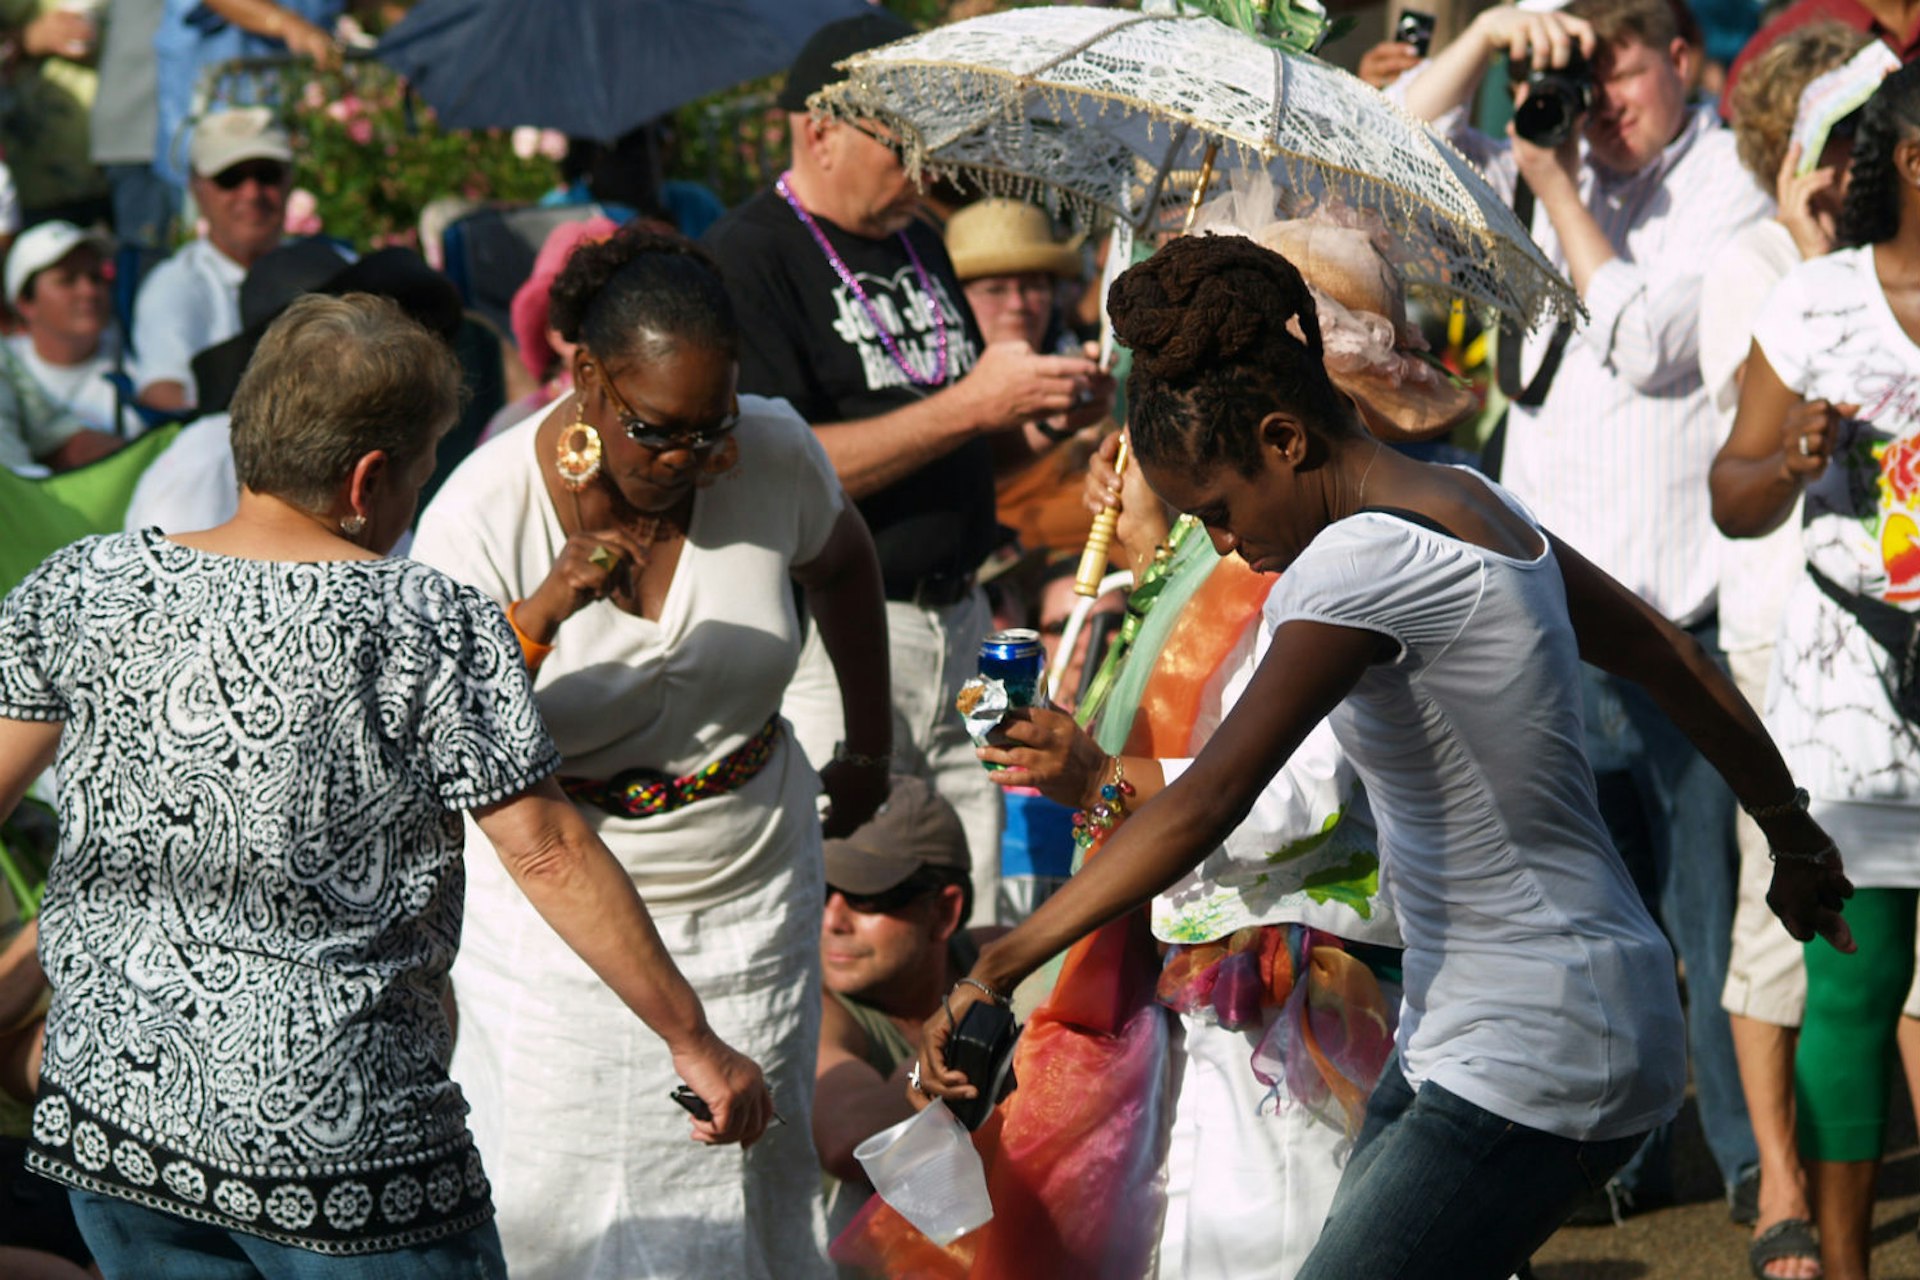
578	453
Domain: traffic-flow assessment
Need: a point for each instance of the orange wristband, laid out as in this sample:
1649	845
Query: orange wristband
532	652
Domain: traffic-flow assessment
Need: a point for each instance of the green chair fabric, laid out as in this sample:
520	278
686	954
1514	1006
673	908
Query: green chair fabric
39	516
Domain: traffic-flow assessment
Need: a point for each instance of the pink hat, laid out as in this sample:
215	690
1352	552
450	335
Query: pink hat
531	300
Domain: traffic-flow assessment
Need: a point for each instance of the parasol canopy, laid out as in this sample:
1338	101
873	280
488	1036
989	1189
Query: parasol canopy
592	68
1093	109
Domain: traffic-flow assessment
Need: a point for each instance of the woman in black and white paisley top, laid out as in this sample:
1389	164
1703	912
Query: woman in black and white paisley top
265	734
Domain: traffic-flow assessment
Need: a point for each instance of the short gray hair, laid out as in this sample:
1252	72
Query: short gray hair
333	380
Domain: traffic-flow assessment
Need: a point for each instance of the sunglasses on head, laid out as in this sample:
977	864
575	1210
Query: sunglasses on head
887	901
660	439
268	173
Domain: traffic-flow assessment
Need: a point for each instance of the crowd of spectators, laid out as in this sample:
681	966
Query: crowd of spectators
691	556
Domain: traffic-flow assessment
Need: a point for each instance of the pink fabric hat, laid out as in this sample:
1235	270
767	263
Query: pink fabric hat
530	300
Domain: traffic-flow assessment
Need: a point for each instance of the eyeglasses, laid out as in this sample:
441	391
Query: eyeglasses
660	439
268	173
888	141
887	901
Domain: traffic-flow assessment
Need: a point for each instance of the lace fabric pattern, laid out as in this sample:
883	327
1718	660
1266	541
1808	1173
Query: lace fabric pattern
258	891
1094	109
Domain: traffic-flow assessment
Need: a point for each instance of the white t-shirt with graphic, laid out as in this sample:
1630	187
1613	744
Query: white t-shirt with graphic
1829	333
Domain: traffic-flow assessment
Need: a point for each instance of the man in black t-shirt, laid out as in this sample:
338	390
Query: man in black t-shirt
849	309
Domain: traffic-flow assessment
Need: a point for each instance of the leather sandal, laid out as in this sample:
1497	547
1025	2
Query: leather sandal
1787	1238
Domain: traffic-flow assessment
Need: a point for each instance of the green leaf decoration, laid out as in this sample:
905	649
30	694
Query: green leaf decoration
1299	26
1354	882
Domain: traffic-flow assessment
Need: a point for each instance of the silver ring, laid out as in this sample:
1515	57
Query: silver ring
1804	451
913	1078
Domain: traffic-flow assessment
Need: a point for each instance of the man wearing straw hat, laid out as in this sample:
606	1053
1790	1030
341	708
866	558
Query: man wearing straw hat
852	313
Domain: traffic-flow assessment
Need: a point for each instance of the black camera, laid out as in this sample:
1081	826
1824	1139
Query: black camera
981	1048
1415	28
1556	99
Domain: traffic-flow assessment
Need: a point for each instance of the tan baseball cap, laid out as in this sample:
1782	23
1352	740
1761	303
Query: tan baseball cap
226	138
915	828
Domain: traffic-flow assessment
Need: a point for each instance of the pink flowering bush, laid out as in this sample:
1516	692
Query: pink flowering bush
367	160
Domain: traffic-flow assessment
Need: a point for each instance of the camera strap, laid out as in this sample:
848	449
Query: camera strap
1507	360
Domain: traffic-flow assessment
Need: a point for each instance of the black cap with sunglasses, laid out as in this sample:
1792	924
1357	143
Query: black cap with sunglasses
912	845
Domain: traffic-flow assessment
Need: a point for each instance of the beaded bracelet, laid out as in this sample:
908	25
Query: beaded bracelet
843	756
1004	1001
1817	857
1091	825
1795	803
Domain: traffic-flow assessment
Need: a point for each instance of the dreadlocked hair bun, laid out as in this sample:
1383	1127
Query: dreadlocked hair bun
1871	213
643	289
1223	332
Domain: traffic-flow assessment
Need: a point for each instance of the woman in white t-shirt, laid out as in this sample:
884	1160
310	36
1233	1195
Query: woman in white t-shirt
1540	1035
1830	416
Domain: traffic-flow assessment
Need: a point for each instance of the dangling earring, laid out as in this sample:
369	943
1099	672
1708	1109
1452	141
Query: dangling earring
577	456
720	462
354	525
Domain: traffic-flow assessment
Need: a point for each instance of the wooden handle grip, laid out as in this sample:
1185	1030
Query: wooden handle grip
1093	561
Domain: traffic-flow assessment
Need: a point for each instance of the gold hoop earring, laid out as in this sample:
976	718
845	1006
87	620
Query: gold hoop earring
721	462
577	456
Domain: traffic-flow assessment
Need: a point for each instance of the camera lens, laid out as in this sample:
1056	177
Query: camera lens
1556	99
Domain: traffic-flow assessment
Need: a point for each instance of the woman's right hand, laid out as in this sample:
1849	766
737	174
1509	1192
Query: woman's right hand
1808	435
731	1085
591	566
1808	896
1143	522
1812	229
1045	749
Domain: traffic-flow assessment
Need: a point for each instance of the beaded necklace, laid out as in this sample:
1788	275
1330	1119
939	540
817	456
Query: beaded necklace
840	269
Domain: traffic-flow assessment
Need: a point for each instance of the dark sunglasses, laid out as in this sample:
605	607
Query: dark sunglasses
892	144
888	901
268	173
661	440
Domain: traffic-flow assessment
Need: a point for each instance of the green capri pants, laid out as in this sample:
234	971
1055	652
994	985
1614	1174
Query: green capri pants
1848	1053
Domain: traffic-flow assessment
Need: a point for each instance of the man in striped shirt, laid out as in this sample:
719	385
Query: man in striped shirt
1614	456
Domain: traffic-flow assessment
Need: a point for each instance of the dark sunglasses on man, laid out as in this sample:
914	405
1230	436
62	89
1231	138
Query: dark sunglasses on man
887	901
267	173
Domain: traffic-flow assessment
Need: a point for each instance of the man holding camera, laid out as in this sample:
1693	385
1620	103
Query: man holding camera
1611	434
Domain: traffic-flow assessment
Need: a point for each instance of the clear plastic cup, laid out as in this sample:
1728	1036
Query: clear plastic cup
927	1169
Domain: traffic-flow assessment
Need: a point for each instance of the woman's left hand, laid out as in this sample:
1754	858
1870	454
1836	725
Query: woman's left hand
854	793
1044	749
937	1080
1808	896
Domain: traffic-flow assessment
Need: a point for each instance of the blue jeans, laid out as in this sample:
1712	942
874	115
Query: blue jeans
145	206
1671	817
134	1243
1440	1189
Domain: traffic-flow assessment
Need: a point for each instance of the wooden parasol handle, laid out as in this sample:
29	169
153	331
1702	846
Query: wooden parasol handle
1093	560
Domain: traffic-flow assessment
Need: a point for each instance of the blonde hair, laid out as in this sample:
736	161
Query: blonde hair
333	380
1767	96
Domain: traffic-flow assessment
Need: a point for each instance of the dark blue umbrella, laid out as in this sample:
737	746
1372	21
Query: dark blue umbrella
592	68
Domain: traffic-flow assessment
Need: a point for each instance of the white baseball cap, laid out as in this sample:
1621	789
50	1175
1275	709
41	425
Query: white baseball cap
43	245
225	138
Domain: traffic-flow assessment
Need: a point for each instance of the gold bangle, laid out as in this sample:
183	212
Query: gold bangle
532	652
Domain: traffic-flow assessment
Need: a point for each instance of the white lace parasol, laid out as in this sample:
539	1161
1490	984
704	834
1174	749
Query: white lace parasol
1090	108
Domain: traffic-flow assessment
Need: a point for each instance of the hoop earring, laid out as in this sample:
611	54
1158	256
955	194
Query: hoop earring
354	525
578	453
721	462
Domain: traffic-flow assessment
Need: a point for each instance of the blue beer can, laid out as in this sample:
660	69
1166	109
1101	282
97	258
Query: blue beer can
1016	659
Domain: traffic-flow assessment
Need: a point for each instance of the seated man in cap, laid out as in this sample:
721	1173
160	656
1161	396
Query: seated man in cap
56	281
893	940
242	166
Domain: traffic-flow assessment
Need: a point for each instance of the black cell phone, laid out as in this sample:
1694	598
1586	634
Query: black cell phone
981	1048
692	1102
1415	28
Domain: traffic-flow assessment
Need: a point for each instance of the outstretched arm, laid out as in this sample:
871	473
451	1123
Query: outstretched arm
1310	667
1621	633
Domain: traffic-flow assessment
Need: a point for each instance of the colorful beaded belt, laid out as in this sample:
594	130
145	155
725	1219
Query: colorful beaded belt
643	793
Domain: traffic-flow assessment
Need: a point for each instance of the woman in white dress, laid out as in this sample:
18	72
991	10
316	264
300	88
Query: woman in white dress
646	535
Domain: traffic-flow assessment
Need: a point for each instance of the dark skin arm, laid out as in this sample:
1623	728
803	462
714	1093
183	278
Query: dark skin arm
1762	467
848	603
